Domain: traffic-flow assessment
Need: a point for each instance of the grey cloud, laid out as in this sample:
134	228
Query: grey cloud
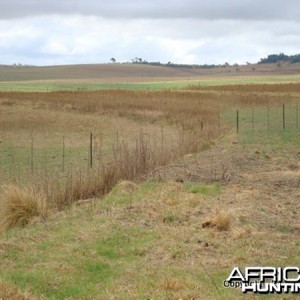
143	9
62	32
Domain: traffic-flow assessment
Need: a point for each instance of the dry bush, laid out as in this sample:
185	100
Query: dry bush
19	205
221	221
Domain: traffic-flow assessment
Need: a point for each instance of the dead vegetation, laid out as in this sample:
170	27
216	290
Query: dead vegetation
147	130
221	221
19	205
135	133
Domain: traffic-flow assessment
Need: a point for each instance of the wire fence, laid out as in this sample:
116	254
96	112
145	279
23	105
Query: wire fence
260	118
20	161
34	157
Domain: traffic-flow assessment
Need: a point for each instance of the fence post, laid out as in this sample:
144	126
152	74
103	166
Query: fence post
237	121
162	144
63	154
219	119
268	117
297	117
283	116
91	150
31	154
252	118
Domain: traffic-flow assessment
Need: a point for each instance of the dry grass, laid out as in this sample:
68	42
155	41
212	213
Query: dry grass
114	73
221	221
18	206
127	186
134	133
8	291
149	243
138	131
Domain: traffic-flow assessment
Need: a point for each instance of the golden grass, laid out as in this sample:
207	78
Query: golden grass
18	206
221	221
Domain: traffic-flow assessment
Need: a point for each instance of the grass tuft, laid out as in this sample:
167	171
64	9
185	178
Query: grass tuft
221	221
19	205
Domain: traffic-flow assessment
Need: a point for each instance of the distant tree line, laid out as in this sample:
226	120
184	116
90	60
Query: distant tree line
277	58
139	60
16	65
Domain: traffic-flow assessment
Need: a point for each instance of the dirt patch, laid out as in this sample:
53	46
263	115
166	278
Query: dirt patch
219	163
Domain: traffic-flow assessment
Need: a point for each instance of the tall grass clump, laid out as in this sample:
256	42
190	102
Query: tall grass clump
126	162
222	221
19	205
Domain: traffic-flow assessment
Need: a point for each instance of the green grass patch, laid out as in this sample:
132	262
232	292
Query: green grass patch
66	265
18	162
38	86
206	190
274	140
77	87
261	125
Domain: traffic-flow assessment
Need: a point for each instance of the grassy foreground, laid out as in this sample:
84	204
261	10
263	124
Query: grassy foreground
152	241
129	246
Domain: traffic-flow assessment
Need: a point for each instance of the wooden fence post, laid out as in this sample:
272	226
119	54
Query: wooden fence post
31	154
252	118
268	117
237	121
220	119
162	144
297	116
63	154
91	150
283	117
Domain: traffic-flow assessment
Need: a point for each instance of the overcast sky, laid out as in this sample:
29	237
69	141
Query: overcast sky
46	32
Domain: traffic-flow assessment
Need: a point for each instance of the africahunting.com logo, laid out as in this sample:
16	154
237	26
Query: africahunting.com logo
265	280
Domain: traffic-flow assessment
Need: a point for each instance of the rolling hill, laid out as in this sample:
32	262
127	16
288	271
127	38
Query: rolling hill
105	73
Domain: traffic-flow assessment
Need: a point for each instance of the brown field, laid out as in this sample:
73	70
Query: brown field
174	197
125	73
